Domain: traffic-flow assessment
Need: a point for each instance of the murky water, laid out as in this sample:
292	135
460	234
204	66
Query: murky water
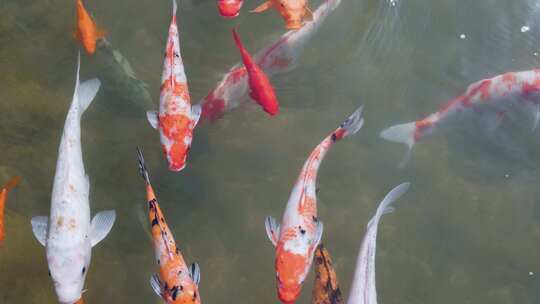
467	232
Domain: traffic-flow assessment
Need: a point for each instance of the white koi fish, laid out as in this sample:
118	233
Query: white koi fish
280	57
301	230
363	289
495	95
68	235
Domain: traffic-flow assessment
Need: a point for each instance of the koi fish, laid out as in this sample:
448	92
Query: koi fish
261	89
363	289
494	96
176	118
279	57
294	12
230	8
326	288
68	235
301	231
87	32
3	197
175	283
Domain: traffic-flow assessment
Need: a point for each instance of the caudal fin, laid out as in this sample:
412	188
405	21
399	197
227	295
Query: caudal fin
385	206
403	133
350	126
85	91
142	166
175	7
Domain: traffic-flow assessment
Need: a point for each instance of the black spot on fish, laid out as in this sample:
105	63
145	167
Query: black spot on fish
174	293
158	262
302	231
155	222
152	204
178	252
334	137
194	296
315	219
83	270
181	288
162	220
176	55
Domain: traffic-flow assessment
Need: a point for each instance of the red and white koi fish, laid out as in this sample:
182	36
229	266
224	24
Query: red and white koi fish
280	57
175	284
3	198
301	230
230	8
176	118
261	90
67	234
496	95
363	289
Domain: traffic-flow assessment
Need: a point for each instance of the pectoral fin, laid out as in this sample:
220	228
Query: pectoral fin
318	233
309	15
39	227
155	282
196	111
153	119
263	7
272	230
195	273
102	224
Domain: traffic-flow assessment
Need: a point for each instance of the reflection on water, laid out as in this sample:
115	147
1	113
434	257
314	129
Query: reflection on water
467	232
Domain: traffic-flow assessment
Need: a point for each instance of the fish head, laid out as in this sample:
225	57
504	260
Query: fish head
68	268
293	12
230	8
291	270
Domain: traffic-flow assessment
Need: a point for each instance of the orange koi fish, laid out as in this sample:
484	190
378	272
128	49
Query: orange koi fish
176	283
230	8
87	32
262	90
176	118
3	197
301	231
294	12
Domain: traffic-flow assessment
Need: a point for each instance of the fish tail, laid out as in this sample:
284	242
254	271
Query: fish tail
85	91
175	7
14	181
142	166
385	206
240	45
403	133
350	126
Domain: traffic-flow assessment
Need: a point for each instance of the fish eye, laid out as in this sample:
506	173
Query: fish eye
83	270
176	55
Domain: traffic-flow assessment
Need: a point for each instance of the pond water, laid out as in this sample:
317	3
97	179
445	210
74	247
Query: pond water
468	231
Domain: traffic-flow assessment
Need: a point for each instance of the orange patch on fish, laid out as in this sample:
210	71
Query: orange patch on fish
3	197
86	31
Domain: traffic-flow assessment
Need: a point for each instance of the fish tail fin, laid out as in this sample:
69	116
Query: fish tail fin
87	90
237	40
175	7
142	166
14	181
385	206
350	126
403	133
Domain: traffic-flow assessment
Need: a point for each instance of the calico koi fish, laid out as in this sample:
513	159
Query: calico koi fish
68	235
294	12
175	284
326	288
176	118
261	90
86	31
495	95
301	231
3	197
230	8
363	289
279	57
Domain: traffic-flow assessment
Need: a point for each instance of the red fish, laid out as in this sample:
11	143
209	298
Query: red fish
230	8
3	197
259	84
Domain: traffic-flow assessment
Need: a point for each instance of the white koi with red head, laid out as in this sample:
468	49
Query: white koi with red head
67	234
363	289
493	96
279	57
301	231
176	118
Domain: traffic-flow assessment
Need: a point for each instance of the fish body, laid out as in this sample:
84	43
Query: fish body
176	118
294	12
363	289
3	197
230	8
493	96
262	90
86	31
326	288
300	231
279	57
67	234
176	283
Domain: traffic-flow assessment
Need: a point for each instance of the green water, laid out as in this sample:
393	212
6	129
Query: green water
468	231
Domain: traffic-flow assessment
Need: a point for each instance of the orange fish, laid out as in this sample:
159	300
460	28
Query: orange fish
87	32
176	283
3	196
294	12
